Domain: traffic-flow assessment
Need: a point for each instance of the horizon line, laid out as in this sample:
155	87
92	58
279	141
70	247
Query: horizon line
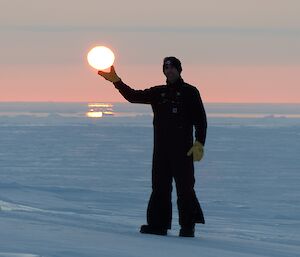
117	102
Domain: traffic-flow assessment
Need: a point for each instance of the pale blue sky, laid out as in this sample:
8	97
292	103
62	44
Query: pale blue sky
265	31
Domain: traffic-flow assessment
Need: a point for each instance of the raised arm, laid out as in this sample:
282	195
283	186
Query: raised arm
130	94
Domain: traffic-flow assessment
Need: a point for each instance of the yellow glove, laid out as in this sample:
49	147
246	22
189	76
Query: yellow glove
110	76
197	150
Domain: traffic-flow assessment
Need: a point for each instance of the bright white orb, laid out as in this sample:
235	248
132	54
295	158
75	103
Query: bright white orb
100	57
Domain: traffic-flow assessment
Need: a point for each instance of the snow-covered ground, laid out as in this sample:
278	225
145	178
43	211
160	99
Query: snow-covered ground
77	187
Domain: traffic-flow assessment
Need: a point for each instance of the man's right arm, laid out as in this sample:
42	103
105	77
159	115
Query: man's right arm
134	96
130	94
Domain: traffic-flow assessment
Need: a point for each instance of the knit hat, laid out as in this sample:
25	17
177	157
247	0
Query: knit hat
171	60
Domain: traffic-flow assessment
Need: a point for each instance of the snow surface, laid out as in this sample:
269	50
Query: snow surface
73	186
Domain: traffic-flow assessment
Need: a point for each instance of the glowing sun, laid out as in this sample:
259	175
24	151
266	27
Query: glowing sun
100	57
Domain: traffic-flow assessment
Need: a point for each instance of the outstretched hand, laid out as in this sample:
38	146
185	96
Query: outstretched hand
110	76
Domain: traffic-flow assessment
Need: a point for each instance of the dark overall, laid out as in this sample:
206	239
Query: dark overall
177	109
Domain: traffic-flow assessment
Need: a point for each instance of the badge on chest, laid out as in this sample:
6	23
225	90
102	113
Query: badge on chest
171	100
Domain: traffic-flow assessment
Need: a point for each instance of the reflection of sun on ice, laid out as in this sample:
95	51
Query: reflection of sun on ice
93	114
99	110
100	57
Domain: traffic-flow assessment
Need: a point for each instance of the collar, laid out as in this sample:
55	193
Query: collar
176	84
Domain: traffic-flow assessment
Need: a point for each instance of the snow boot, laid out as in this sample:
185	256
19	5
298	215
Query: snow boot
187	232
148	229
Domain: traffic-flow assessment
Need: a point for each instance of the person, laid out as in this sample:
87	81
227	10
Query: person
178	109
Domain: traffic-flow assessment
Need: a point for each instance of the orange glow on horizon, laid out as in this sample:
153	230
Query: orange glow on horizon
230	84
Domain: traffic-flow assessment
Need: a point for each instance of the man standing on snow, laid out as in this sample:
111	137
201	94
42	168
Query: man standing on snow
177	108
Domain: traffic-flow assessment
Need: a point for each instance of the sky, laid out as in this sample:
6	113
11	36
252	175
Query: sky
240	51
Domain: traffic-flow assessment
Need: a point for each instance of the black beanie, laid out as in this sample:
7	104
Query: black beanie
171	60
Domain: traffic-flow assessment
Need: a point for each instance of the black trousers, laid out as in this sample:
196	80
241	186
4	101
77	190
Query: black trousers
169	164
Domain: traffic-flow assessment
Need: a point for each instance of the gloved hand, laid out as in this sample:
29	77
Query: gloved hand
110	76
197	150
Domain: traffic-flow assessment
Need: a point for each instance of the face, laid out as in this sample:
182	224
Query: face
171	73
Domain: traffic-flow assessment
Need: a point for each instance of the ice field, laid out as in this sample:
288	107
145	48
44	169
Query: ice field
72	186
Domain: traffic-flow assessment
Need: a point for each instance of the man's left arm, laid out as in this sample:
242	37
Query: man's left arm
199	118
200	123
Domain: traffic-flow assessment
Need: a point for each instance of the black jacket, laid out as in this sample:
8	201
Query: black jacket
177	108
